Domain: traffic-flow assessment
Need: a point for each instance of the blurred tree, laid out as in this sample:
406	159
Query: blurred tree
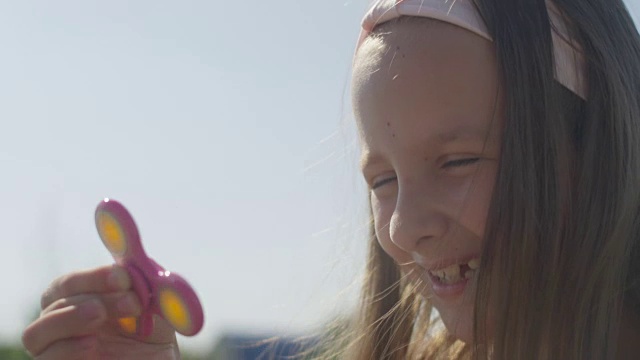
189	356
13	352
16	352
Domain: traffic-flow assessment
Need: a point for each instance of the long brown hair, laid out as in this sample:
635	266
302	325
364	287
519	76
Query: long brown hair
561	256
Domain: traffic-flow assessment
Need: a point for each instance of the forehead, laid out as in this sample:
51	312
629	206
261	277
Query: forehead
427	78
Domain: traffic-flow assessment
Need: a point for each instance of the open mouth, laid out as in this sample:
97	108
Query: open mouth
453	274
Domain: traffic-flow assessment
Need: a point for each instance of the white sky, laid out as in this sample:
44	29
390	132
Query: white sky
222	125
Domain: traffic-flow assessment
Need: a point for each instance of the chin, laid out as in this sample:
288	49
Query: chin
459	326
458	319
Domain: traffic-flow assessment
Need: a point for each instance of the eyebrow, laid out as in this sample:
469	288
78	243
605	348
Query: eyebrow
461	134
370	158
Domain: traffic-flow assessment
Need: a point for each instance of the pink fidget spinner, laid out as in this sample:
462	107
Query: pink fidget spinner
161	292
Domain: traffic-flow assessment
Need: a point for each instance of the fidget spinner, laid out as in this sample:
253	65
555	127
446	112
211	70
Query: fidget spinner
161	292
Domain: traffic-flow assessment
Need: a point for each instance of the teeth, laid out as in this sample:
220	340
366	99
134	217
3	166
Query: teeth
451	274
452	271
474	264
448	275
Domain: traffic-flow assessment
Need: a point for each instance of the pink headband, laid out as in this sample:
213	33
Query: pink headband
569	60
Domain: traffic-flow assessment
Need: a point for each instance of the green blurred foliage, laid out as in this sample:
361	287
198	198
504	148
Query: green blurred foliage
13	352
188	356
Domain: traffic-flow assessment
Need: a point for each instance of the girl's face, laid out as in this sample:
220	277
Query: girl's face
429	117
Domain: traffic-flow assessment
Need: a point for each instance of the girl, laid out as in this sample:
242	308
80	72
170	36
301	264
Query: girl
501	144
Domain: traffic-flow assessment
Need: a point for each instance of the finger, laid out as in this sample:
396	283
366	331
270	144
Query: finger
71	321
117	304
97	280
162	332
71	349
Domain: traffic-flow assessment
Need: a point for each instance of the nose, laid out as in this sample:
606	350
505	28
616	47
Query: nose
418	217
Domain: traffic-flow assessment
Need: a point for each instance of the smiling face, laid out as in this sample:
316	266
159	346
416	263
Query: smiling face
425	96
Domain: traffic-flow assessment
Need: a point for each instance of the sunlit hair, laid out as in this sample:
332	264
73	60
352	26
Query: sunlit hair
561	256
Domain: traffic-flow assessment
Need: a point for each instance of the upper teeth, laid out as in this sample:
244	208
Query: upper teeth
451	274
474	264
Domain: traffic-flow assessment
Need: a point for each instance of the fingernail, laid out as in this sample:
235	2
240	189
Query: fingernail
90	309
119	279
127	305
87	341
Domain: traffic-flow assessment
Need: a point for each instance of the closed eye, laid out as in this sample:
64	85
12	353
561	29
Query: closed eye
383	182
460	162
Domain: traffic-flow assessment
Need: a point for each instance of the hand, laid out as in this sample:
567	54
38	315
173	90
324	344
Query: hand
85	315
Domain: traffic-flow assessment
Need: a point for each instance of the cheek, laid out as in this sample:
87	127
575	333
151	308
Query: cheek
476	201
382	213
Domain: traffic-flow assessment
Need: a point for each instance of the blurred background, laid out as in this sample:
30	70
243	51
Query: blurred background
223	126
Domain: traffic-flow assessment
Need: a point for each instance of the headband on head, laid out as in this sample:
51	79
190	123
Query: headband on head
568	57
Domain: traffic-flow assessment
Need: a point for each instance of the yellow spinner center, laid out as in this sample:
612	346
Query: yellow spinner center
112	234
174	309
128	324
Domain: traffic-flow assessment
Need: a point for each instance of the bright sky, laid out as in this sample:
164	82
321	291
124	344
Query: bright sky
223	126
